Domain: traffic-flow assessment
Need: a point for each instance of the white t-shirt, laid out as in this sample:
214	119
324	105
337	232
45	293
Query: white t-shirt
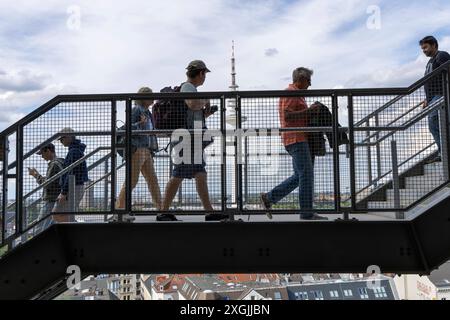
198	114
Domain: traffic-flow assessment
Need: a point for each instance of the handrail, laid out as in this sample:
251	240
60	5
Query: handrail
89	168
13	164
61	173
382	108
395	120
103	177
411	89
390	171
403	127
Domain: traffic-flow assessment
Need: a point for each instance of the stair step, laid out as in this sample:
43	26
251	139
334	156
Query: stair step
388	204
409	195
433	169
420	183
388	214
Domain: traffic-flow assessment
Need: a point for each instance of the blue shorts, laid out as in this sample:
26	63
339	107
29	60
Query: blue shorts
187	171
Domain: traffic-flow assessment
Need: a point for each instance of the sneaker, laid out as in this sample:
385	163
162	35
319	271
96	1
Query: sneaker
315	216
125	218
433	160
128	218
216	217
166	217
265	203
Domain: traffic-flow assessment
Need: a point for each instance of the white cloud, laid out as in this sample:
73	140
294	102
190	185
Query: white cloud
124	45
271	52
22	81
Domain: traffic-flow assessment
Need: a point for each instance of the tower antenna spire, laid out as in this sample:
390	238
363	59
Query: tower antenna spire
233	86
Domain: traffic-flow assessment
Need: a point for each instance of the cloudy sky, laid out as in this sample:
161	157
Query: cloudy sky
51	47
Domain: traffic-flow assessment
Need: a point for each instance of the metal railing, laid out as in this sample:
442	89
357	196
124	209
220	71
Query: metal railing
385	126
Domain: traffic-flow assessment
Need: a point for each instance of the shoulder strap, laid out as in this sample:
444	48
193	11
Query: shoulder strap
58	162
178	88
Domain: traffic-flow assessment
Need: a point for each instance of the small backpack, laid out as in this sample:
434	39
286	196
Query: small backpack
170	114
121	141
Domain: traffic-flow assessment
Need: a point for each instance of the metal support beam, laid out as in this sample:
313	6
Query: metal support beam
337	169
128	147
5	151
20	212
351	137
378	149
113	155
444	119
223	166
396	180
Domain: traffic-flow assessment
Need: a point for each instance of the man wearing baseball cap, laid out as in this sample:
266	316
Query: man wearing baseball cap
197	111
75	153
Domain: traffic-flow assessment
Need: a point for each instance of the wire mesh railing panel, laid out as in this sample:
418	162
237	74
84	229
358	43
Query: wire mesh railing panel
3	151
276	164
9	209
65	151
183	159
396	154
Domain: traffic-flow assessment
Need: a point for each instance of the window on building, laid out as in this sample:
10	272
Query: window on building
302	295
318	295
334	294
277	295
363	293
380	292
348	293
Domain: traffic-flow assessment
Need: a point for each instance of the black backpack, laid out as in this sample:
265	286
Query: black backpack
121	140
170	114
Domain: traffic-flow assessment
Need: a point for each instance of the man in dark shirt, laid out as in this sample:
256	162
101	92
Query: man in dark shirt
51	190
70	202
434	88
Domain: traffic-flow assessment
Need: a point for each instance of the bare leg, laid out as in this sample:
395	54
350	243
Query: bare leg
148	171
137	160
171	191
202	189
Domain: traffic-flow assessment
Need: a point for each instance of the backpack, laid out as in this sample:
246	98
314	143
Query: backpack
120	142
169	114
